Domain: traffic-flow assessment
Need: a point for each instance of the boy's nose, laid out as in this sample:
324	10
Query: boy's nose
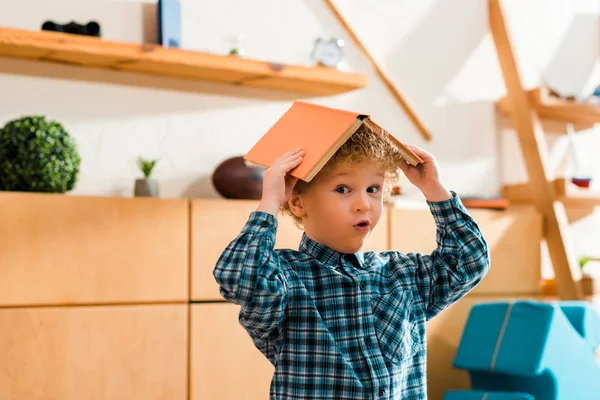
362	204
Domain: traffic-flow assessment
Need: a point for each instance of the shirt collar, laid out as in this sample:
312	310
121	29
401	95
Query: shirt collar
327	255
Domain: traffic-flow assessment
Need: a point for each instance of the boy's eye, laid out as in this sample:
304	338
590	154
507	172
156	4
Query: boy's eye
373	189
342	189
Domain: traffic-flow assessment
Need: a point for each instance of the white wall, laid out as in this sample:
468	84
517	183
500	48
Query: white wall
438	52
424	48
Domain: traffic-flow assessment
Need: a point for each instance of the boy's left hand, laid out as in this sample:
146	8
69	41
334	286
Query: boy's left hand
426	176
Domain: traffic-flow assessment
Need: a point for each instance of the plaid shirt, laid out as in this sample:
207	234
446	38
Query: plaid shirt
348	326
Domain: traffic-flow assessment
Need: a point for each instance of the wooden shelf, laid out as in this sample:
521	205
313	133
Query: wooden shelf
582	115
152	59
569	111
589	286
578	203
582	200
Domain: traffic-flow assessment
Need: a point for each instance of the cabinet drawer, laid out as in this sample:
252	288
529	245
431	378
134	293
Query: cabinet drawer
94	353
59	249
225	364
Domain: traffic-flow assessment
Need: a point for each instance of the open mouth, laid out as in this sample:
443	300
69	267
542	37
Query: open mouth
362	226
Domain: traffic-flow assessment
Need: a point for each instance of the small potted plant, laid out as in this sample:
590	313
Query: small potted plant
146	186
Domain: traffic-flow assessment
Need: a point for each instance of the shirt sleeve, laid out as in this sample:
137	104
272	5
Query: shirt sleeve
249	274
456	266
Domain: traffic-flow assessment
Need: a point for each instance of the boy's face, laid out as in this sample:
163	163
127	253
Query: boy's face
341	208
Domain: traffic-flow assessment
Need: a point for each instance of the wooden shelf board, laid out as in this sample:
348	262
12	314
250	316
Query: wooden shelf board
578	204
568	111
589	286
521	192
559	109
154	59
582	115
581	200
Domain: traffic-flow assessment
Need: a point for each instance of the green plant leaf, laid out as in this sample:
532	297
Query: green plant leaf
583	261
146	166
37	155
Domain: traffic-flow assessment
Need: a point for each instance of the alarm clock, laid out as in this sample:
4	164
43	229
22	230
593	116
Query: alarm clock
328	52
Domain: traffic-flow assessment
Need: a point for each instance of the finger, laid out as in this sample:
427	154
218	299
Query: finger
291	164
419	151
416	149
404	166
292	153
291	181
289	156
288	160
295	155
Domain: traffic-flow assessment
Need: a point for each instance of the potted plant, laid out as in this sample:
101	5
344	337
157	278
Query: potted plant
146	186
37	155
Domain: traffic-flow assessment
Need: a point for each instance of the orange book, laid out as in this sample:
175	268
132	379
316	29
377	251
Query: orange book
482	202
320	131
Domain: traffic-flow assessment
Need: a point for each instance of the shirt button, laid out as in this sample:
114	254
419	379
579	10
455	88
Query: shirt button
362	286
367	339
264	224
381	391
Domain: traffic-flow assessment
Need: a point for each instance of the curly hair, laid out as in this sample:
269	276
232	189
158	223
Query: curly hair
367	144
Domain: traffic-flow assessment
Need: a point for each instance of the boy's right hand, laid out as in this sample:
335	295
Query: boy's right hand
277	184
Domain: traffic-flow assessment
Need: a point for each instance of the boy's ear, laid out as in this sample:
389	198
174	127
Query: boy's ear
297	205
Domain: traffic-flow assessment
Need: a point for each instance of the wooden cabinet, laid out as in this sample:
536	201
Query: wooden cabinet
58	249
215	223
110	298
225	364
94	353
513	236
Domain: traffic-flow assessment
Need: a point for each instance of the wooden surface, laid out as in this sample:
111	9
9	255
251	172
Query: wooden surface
225	364
582	199
558	109
94	353
387	81
535	153
214	224
556	113
513	237
59	249
589	286
578	203
156	60
443	338
208	242
522	192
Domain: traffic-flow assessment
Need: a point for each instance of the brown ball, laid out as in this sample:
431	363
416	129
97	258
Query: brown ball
233	179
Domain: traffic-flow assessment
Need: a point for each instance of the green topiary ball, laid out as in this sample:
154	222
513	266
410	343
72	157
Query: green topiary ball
37	155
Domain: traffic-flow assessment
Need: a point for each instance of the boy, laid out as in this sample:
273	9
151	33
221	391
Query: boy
337	322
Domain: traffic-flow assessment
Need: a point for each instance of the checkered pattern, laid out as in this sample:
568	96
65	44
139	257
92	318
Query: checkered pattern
348	326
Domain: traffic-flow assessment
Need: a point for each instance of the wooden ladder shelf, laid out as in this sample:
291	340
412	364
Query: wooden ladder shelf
525	115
